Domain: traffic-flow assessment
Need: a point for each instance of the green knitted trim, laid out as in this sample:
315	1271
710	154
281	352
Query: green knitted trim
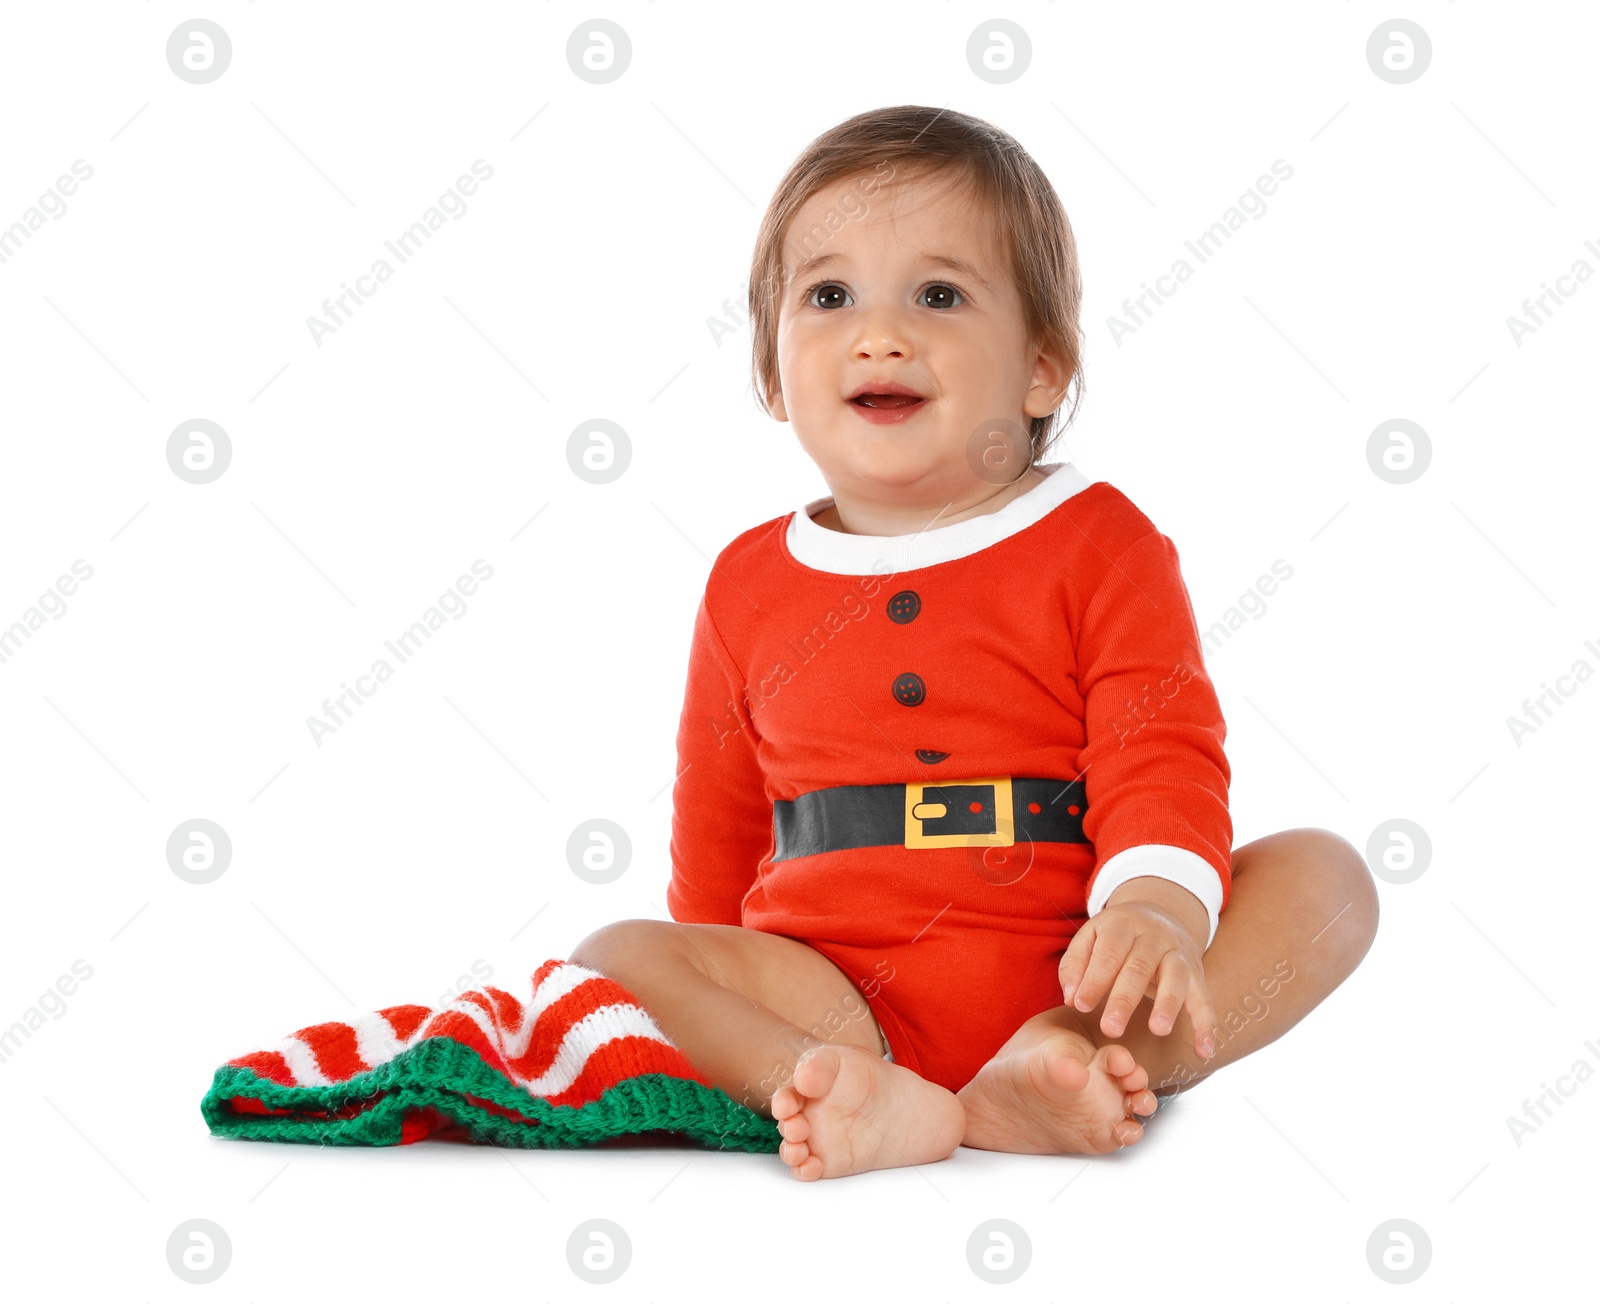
440	1072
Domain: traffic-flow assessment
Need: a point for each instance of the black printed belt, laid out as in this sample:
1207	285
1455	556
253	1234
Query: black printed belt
991	812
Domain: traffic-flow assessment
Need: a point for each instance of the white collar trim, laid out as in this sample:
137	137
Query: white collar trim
838	553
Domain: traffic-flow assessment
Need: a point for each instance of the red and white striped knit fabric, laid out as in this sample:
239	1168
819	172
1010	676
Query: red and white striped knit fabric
590	1032
574	1061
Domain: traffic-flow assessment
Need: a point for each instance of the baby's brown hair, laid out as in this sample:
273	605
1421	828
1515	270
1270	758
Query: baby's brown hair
911	142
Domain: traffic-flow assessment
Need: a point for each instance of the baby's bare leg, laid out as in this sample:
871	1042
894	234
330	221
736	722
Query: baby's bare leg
780	1028
704	985
1303	913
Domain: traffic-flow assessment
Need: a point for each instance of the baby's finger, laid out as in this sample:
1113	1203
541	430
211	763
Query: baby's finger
1076	960
1175	982
1104	962
1132	981
1203	1015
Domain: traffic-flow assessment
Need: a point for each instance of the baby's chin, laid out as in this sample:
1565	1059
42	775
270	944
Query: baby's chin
892	458
892	452
897	460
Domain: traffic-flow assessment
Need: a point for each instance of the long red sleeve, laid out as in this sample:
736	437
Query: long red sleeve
1155	771
721	816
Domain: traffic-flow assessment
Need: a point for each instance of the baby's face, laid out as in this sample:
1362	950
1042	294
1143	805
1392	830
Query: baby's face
878	299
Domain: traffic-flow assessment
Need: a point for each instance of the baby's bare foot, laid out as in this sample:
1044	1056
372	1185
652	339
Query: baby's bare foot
1050	1091
847	1111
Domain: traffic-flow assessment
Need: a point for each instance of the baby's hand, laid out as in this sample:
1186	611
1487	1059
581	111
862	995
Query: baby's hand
1146	942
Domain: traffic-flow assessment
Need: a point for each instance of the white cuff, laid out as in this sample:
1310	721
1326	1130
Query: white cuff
1157	860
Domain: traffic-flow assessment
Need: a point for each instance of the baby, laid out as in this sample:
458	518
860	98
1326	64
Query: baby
950	835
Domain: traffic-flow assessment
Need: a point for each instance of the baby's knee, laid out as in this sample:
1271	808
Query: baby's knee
1328	878
617	947
1346	882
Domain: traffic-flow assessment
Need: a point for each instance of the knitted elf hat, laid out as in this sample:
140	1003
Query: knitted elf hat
578	1062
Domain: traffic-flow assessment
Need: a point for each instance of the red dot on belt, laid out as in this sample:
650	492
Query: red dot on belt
975	806
1033	808
1072	810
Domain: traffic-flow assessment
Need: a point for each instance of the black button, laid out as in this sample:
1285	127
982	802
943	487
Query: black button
903	607
908	689
930	757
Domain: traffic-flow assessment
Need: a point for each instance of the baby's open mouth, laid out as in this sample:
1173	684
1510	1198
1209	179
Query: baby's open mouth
886	400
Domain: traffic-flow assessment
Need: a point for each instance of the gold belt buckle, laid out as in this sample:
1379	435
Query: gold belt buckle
917	810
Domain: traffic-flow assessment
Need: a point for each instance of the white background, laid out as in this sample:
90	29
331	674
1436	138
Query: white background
431	430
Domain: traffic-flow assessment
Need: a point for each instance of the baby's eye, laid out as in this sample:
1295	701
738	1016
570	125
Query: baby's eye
830	287
946	290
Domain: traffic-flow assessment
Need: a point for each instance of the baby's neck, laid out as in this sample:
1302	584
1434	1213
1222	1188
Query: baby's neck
864	517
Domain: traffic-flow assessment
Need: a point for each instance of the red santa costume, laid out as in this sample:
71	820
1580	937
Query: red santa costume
933	756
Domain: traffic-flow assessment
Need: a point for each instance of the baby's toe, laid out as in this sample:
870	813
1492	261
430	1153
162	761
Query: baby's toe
816	1070
1144	1102
797	1127
810	1171
786	1102
1119	1062
805	1165
1135	1080
1134	1087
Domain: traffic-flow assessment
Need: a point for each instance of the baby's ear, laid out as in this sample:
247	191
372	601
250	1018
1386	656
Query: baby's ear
775	403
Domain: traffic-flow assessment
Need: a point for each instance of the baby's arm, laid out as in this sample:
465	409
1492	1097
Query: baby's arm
1155	772
1156	779
721	817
